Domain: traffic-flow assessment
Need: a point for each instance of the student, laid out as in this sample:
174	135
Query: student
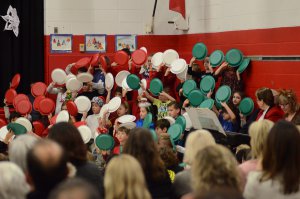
174	109
161	126
228	118
143	113
122	136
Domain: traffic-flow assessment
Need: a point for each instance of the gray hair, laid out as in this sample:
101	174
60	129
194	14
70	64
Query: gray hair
19	148
13	181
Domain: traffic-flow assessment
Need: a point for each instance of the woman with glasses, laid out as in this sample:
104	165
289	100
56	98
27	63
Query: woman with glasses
289	105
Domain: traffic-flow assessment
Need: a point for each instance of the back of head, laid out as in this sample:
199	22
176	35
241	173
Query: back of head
12	181
19	148
70	139
258	132
281	156
196	141
266	95
162	123
124	178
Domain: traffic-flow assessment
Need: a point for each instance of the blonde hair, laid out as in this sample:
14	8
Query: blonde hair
258	132
124	178
215	167
195	142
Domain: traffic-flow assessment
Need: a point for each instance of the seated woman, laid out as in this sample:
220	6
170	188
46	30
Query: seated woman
289	105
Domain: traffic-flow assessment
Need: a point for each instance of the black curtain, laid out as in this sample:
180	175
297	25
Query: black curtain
24	53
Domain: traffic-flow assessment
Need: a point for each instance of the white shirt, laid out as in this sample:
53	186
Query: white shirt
263	115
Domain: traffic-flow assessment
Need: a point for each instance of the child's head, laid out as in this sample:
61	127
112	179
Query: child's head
237	97
163	98
164	140
118	92
122	135
162	126
14	116
86	87
143	112
123	109
173	109
97	103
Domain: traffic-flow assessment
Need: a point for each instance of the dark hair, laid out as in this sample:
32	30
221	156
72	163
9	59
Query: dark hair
266	95
221	193
168	156
126	50
281	156
175	104
243	155
70	139
14	115
231	106
141	145
82	69
241	93
124	129
162	123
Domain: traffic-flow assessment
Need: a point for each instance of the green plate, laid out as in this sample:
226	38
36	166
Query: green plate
133	81
147	121
223	94
105	142
175	131
216	58
218	104
207	83
244	65
199	51
196	97
234	57
246	106
156	86
188	86
208	103
16	128
181	120
154	135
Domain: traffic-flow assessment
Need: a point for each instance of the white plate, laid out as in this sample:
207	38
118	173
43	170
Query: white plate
24	122
170	119
169	56
178	66
144	49
183	75
103	109
69	77
85	133
157	59
125	85
62	116
73	84
83	104
85	77
109	81
3	132
59	76
126	118
189	124
129	125
114	104
121	76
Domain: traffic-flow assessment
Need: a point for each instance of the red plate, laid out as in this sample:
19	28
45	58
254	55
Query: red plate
83	62
78	124
46	106
10	95
2	122
74	70
53	119
103	62
72	108
37	101
95	60
38	89
18	98
24	107
139	57
38	128
121	57
15	81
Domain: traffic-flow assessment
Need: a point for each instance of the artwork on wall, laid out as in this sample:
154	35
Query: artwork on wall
126	41
61	43
95	43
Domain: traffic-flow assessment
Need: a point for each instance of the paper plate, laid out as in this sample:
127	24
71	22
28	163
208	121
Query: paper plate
105	142
216	58
195	97
156	86
169	56
109	81
129	125
207	84
24	122
125	85
72	108
218	104
58	76
154	135
175	131
114	104
10	94
126	118
83	104
18	129
181	120
82	63
121	76
3	122
74	84
85	133
144	49
139	57
246	106
199	51
46	106
188	86
188	120
38	128
244	65
208	103
157	59
85	77
95	60
3	132
36	102
70	76
15	81
223	93
234	57
147	121
121	57
183	75
62	116
170	119
103	62
18	98
133	81
38	89
23	107
178	66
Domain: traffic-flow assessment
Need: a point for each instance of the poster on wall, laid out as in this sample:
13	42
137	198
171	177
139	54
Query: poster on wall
126	41
95	43
61	43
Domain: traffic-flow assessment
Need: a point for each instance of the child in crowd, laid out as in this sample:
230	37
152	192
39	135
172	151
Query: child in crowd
174	109
143	113
228	119
161	127
122	136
